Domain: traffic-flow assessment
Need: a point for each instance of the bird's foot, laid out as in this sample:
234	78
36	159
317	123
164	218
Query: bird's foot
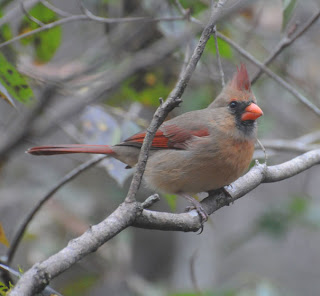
196	206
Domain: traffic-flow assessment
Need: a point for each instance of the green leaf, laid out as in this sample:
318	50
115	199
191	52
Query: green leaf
12	83
171	200
195	6
47	42
145	89
288	7
5	31
298	205
225	49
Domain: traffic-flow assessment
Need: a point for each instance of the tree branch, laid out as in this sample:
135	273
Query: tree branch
271	74
285	42
66	179
260	173
127	214
172	101
37	277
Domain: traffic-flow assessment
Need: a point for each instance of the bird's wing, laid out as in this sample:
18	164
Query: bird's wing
169	136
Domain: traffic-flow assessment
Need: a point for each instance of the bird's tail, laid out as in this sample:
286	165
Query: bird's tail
71	148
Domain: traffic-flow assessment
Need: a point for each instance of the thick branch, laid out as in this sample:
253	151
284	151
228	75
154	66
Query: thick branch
257	175
172	101
40	274
36	278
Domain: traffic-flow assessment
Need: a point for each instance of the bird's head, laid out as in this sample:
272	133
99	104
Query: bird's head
239	100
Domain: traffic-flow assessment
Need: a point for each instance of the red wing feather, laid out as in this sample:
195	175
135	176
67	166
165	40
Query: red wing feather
168	137
159	140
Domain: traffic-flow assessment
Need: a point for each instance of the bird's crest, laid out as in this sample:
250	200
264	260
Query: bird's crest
240	80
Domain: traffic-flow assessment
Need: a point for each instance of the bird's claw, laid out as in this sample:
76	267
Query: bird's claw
201	212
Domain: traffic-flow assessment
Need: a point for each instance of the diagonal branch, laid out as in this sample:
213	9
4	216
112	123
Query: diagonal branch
37	277
260	173
66	179
172	101
271	74
285	42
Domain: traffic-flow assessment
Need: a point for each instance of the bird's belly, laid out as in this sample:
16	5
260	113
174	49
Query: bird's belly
177	171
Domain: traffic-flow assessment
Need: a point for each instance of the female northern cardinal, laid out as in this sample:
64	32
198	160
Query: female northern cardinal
197	151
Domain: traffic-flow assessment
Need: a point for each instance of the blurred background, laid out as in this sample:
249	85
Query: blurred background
109	78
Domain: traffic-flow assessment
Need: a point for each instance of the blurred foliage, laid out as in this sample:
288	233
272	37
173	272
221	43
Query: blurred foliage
80	286
260	288
97	126
12	83
288	7
145	88
197	98
5	31
195	6
46	42
172	201
225	49
3	237
4	290
278	221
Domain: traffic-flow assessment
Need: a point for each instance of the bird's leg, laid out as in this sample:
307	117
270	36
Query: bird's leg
197	206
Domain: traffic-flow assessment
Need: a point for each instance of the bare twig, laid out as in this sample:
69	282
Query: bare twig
55	9
258	174
289	145
36	278
193	273
127	214
264	151
266	70
29	16
172	101
15	138
271	74
15	10
90	17
40	274
66	179
218	57
285	42
48	291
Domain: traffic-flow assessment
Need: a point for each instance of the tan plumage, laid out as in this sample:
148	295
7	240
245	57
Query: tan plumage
197	151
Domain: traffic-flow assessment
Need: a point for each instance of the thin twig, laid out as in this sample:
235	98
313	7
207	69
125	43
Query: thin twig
264	151
15	138
193	273
84	17
261	66
218	57
55	9
285	42
66	179
257	175
40	274
29	16
271	74
173	100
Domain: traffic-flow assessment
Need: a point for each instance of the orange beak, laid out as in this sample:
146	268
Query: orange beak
252	112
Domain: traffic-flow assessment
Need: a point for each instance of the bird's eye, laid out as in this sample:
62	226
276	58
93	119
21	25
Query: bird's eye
233	104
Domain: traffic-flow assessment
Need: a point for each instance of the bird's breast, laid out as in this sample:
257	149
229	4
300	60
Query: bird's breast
199	169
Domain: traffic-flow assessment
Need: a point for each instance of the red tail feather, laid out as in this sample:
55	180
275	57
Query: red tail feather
72	148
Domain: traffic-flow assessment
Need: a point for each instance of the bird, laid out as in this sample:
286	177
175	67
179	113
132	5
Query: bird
198	151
